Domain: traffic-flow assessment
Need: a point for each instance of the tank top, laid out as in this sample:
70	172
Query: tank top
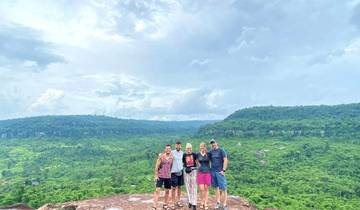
164	170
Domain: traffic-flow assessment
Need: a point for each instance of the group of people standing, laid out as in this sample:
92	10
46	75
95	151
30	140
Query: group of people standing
203	169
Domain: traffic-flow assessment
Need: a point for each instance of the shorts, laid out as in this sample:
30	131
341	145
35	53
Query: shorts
218	180
204	178
166	182
177	181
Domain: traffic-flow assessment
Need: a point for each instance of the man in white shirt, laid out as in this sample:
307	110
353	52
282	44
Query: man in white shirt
177	177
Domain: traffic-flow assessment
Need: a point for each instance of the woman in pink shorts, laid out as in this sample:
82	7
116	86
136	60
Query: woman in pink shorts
204	175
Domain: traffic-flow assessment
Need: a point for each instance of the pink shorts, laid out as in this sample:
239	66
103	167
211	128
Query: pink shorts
204	178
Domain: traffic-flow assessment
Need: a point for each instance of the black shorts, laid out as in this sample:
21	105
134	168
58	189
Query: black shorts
176	180
163	182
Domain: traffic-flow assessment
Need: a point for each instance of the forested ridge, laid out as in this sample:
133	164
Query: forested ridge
297	112
76	126
270	121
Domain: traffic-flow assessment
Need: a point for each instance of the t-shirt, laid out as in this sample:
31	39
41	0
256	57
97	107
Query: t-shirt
178	163
189	160
217	159
164	168
204	162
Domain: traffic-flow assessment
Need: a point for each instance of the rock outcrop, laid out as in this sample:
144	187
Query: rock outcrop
19	206
137	202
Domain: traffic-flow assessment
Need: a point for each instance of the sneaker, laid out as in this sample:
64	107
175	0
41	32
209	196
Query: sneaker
218	205
225	208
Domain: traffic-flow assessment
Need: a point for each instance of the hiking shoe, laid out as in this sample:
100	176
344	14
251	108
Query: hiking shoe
218	205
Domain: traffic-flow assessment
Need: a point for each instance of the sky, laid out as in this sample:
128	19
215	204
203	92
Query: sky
175	59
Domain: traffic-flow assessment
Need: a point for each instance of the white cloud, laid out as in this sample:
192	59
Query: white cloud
196	63
22	48
77	24
246	39
195	101
51	101
176	59
353	48
11	103
130	97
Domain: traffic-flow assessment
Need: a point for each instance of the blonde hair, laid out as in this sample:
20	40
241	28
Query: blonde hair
188	145
203	143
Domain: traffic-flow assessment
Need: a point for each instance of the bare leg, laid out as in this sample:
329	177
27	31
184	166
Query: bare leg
206	194
156	196
224	197
217	194
178	193
173	194
167	196
201	189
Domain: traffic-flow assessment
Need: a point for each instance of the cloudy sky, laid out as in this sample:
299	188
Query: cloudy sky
175	59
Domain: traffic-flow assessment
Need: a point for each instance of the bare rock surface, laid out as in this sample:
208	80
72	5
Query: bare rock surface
138	202
16	207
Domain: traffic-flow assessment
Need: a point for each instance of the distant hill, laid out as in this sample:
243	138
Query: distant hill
297	112
91	126
323	120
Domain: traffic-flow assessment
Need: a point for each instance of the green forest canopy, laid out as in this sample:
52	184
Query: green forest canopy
76	126
282	157
331	121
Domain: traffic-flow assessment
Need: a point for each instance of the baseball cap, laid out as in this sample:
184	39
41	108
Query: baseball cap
212	141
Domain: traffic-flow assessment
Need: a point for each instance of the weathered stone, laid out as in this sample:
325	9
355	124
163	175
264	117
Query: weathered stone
139	201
